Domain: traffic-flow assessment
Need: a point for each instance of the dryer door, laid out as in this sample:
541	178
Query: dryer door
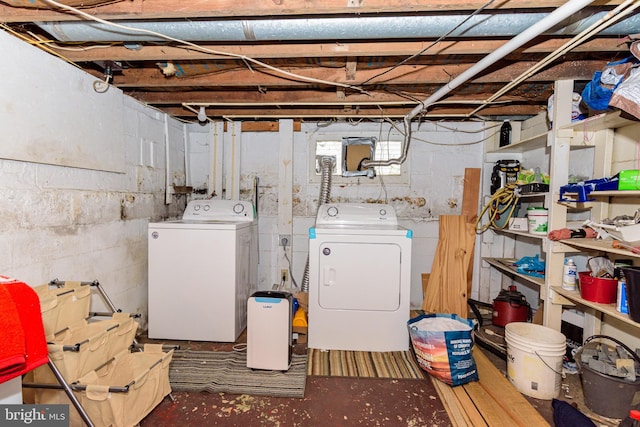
359	276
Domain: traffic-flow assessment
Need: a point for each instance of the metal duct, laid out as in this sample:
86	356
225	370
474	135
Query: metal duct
327	164
353	28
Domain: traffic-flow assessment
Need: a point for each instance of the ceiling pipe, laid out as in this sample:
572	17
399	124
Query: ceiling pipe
563	12
615	15
349	28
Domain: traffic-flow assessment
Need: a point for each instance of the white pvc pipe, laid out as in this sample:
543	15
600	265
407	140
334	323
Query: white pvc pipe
563	12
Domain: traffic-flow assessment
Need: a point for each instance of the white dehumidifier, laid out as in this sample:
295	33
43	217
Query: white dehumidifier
269	334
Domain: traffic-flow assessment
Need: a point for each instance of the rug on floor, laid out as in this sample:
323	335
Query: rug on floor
222	371
343	363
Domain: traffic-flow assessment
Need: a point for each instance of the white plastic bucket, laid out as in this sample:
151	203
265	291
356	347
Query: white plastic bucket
534	359
538	219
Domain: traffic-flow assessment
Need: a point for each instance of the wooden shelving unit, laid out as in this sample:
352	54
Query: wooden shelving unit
601	133
521	233
506	265
609	309
531	143
599	245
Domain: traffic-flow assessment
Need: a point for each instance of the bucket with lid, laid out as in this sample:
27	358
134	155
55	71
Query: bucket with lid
538	219
534	359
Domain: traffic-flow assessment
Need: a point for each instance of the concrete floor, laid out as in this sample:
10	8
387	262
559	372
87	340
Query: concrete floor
330	401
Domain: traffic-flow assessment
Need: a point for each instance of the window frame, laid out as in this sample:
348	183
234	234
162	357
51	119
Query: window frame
314	177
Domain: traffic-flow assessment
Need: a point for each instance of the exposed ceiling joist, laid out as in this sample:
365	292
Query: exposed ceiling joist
314	78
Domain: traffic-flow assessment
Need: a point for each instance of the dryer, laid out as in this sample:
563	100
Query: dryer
359	279
202	270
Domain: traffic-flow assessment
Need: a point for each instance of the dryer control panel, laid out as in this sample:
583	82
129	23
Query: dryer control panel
356	214
219	210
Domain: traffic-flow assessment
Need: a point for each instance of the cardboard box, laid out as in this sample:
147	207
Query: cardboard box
519	224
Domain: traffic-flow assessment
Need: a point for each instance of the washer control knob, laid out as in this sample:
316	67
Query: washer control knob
206	207
326	251
383	212
332	211
238	208
196	207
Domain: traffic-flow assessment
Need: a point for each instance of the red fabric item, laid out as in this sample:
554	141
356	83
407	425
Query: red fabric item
12	350
25	306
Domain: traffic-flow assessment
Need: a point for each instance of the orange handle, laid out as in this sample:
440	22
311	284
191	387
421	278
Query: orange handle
619	245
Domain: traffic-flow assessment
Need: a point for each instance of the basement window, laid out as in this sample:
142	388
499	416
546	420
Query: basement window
337	146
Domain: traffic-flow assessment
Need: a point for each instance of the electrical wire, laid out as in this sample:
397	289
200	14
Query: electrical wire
293	280
486	138
610	18
240	347
42	46
415	55
503	200
246	59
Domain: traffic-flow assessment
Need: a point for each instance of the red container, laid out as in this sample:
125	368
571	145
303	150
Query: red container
510	306
597	289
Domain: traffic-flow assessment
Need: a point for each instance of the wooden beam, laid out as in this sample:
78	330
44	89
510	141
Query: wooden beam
491	401
471	193
510	401
318	98
258	111
118	52
38	10
208	75
267	126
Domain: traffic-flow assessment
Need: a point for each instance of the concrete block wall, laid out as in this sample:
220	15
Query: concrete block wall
73	223
438	157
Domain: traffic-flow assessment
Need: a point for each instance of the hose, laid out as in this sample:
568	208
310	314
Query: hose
503	200
325	194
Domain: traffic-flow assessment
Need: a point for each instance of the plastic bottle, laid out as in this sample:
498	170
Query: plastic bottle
505	134
621	301
569	275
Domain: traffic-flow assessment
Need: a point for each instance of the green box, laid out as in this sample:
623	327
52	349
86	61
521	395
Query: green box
629	180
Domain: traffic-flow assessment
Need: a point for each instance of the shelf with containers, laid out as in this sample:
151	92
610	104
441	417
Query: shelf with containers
500	247
506	265
607	143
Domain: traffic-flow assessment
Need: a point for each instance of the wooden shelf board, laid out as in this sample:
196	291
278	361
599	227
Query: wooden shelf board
532	195
608	309
536	141
504	264
520	233
599	122
598	245
616	193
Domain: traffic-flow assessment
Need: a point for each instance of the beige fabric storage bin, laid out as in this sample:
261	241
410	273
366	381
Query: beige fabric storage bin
85	346
144	376
63	306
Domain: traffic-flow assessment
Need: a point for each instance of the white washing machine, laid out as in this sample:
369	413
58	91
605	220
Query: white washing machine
359	279
202	270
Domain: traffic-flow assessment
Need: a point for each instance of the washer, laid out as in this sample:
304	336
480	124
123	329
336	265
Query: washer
202	270
359	279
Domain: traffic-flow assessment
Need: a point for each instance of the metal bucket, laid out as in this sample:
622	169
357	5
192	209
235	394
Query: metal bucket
603	394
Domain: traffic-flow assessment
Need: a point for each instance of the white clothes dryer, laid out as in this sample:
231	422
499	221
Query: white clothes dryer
359	279
202	270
